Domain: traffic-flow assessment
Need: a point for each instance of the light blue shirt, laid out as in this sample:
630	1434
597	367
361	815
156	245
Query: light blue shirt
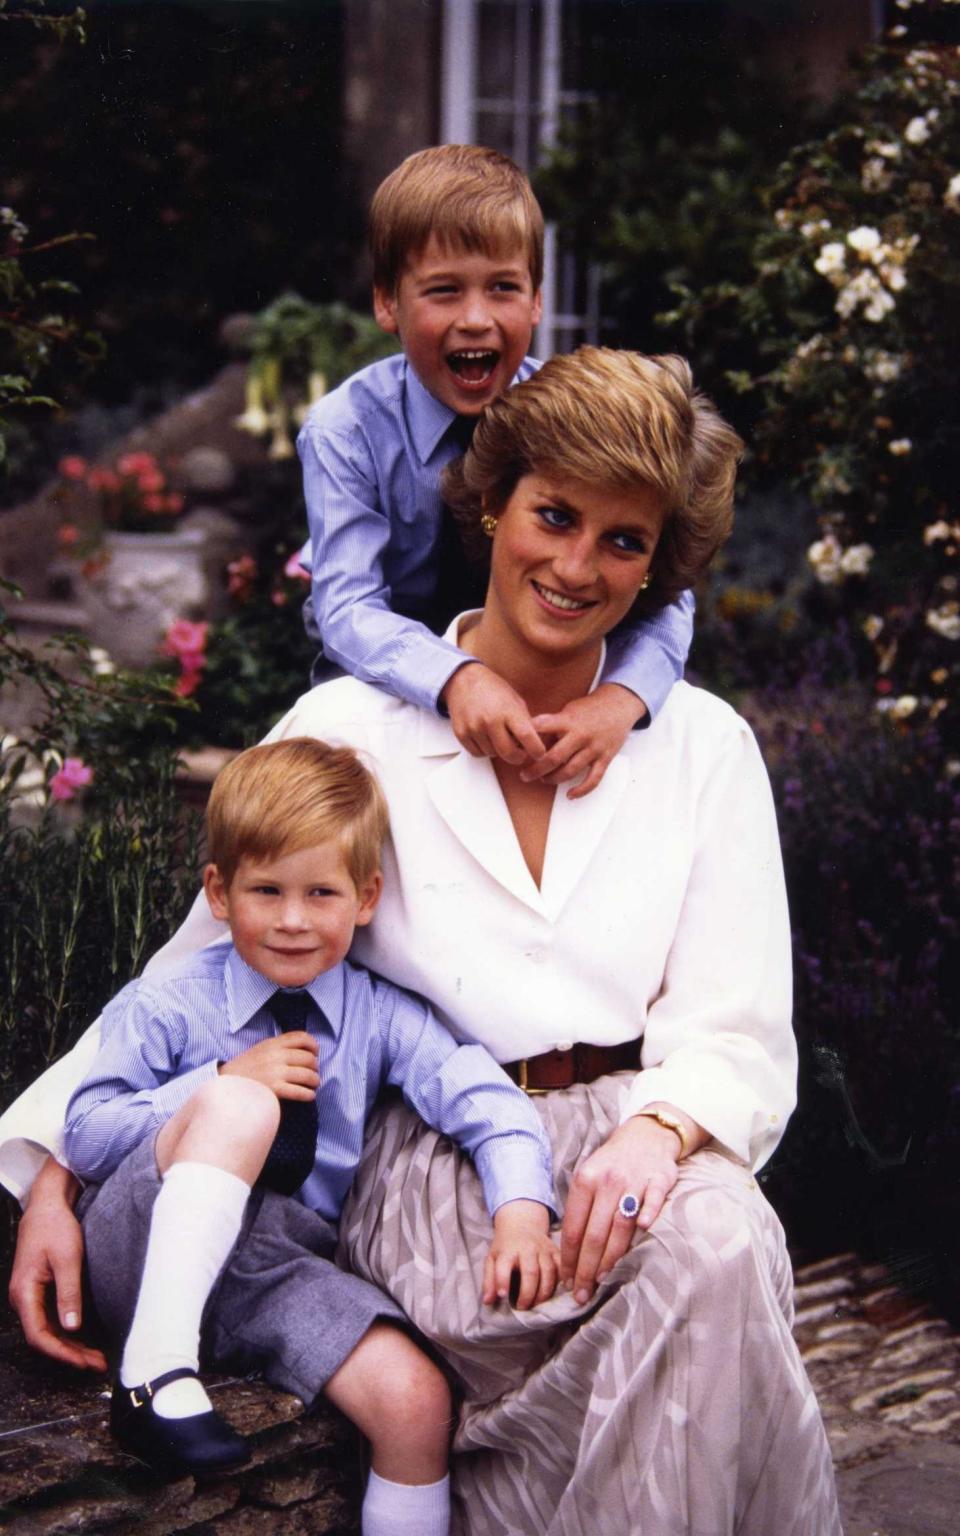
372	452
160	1042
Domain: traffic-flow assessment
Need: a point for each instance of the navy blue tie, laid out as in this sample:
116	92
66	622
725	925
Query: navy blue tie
292	1156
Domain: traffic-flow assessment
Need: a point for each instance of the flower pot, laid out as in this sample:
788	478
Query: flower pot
146	581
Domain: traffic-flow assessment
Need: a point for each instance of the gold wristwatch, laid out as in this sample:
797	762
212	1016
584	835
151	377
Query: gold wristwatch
669	1123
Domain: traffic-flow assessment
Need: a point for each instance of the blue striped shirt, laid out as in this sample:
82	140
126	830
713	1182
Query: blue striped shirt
161	1041
372	452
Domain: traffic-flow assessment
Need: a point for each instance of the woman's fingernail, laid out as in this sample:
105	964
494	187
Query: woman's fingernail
581	1297
568	1285
71	1320
604	1275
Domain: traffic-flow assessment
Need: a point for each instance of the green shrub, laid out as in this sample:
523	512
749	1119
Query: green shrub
851	312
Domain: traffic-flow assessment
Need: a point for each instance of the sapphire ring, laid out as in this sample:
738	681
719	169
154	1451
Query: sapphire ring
629	1206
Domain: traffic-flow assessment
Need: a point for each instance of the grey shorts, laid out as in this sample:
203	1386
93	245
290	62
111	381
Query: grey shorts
281	1307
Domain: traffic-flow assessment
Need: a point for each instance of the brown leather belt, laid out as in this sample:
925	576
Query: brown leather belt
581	1064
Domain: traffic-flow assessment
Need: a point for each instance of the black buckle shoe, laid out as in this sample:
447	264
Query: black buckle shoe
201	1443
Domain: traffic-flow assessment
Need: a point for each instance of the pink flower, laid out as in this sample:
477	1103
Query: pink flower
185	639
174	502
67	780
68	535
151	480
241	575
73	467
189	680
294	570
103	480
154	504
137	464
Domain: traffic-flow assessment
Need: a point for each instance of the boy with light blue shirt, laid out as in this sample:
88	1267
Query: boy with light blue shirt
246	1076
457	244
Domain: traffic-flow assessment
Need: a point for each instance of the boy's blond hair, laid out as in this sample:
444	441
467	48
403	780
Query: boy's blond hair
284	796
617	419
469	198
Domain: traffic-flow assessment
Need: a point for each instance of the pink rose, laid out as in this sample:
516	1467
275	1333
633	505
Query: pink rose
137	464
189	680
67	780
68	535
185	639
103	480
294	570
73	467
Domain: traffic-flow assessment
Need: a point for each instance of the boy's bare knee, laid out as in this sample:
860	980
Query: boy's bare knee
249	1104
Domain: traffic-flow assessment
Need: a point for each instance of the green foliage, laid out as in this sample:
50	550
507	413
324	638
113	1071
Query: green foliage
218	124
663	190
38	335
85	898
299	351
870	828
852	316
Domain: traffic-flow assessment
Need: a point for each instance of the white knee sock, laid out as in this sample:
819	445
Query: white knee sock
405	1509
195	1223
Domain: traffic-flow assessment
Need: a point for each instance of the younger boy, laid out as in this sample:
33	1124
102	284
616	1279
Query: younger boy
256	1064
457	242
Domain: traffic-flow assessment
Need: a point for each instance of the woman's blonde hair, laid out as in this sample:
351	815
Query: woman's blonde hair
467	197
283	796
612	418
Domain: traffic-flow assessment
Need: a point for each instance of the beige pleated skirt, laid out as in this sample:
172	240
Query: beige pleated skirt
674	1404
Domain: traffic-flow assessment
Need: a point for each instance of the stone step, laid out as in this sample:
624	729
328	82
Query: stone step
61	1473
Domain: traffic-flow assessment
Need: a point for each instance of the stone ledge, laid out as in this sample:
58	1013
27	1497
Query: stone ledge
61	1473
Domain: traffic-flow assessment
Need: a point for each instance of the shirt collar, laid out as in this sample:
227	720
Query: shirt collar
427	417
248	991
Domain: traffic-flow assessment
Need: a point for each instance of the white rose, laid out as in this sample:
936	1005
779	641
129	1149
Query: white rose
831	259
904	707
917	131
945	620
935	532
855	561
825	557
873	626
900	447
951	198
864	239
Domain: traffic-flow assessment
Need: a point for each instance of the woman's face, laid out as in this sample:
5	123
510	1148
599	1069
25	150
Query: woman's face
569	558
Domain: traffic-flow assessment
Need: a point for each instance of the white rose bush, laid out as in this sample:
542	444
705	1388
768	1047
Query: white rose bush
854	315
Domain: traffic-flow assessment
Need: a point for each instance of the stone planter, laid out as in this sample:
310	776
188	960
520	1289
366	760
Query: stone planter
146	582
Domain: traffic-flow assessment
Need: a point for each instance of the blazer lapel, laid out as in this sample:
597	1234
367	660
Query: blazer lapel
465	792
576	830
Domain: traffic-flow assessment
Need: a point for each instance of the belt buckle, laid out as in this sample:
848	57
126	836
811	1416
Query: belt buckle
522	1081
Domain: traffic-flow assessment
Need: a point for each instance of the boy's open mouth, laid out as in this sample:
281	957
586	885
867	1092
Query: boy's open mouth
474	366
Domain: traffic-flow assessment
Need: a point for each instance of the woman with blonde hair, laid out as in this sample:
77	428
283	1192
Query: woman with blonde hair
627	956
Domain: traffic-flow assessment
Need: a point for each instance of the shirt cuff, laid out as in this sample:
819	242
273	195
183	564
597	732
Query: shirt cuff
730	1113
423	668
651	679
170	1096
513	1167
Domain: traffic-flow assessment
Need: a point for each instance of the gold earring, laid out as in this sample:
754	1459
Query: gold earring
489	524
646	582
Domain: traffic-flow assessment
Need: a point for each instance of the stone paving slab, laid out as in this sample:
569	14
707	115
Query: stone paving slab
886	1371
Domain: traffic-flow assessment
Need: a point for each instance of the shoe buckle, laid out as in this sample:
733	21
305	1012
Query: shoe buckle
140	1402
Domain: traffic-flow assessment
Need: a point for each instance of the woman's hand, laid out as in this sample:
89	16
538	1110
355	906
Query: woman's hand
50	1252
640	1158
521	1245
